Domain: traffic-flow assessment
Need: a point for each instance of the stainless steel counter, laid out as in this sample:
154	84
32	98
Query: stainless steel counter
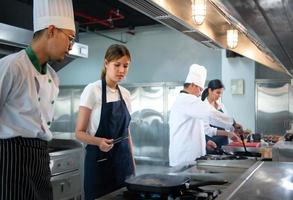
229	170
264	180
283	151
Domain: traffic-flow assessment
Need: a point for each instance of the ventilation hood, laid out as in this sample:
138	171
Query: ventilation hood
176	14
13	39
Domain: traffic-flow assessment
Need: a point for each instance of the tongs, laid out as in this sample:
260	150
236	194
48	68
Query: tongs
119	139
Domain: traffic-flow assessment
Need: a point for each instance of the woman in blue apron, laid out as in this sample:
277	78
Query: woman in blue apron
103	123
212	94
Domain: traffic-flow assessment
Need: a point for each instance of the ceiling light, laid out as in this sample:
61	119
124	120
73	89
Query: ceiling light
198	11
232	38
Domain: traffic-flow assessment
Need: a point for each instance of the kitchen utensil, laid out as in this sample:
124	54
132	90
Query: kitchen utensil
115	141
166	184
221	157
119	139
242	139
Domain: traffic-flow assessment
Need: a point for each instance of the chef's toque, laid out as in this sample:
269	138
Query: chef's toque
197	75
53	12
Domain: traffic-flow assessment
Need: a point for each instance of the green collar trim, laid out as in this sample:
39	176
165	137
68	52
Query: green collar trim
33	58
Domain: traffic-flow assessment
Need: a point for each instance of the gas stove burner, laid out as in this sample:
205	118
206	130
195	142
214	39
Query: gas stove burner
198	194
169	187
133	195
222	157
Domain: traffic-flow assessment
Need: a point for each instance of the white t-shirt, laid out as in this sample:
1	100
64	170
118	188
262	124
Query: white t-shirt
91	98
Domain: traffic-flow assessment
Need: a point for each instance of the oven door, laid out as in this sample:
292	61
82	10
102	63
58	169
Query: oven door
67	186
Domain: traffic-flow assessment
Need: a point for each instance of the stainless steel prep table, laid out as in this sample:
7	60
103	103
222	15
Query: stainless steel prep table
264	180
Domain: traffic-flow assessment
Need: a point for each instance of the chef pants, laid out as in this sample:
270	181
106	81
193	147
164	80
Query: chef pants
24	169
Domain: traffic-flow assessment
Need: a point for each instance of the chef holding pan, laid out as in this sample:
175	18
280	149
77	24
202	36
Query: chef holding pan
28	88
190	118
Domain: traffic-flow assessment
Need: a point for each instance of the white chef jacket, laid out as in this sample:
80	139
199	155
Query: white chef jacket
91	98
227	126
26	98
189	121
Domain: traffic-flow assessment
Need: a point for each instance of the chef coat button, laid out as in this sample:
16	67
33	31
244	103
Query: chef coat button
39	99
49	80
48	123
52	102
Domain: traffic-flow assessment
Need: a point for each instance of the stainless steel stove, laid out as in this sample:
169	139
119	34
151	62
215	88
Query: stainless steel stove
65	165
205	170
198	194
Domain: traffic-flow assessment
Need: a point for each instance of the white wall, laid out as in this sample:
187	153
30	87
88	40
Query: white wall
159	54
241	107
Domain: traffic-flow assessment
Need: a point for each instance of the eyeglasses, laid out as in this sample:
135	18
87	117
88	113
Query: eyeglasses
70	37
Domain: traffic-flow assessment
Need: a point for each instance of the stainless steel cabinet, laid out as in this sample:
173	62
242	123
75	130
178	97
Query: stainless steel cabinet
273	106
149	127
66	109
151	103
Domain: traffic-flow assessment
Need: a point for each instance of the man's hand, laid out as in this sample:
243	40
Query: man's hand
211	145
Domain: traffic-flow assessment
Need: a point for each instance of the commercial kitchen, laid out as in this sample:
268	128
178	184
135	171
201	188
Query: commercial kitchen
165	37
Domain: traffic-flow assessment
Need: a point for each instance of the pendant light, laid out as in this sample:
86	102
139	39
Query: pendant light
232	38
198	11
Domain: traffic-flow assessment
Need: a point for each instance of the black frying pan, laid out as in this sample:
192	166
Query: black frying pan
246	153
166	184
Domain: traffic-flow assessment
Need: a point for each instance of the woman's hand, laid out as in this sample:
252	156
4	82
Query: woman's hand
233	136
211	145
105	145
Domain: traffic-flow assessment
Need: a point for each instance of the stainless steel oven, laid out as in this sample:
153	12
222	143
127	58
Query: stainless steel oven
66	170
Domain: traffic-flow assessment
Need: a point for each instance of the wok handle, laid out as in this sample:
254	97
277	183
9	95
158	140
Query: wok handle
196	184
243	143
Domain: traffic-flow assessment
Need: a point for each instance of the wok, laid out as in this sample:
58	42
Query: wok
221	154
165	184
246	153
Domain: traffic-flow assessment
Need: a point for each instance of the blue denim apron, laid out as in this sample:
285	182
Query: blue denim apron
107	171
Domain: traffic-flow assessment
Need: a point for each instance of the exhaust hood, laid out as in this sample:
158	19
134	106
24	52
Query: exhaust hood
177	15
13	39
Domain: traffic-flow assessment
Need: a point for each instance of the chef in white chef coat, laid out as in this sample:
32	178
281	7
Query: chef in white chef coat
28	90
190	118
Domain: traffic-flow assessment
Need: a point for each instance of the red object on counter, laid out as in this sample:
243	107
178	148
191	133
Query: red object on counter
247	144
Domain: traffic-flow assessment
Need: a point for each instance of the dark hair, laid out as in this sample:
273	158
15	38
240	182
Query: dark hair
186	85
213	85
114	52
38	34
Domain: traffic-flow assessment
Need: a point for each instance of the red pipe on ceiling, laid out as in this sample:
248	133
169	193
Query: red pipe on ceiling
113	15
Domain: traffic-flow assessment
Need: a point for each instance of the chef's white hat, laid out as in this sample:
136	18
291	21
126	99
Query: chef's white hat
53	12
197	75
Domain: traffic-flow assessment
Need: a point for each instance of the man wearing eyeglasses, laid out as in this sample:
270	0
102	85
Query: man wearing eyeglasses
28	89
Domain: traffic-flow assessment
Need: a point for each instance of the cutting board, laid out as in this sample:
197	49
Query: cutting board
247	144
